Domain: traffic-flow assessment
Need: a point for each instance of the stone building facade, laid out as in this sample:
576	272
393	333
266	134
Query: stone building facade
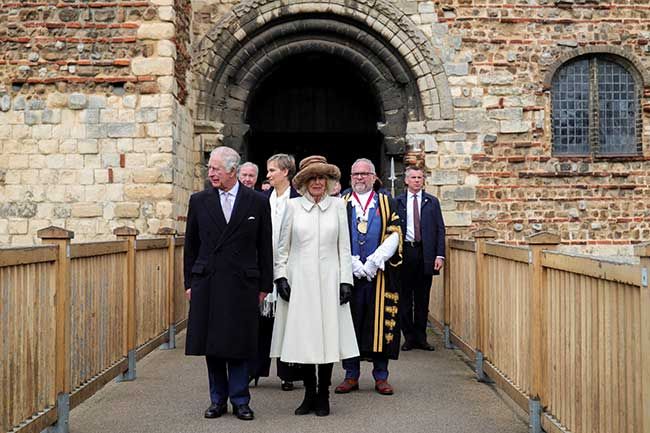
107	109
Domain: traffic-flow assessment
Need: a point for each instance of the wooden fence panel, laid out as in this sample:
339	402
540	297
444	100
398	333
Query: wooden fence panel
181	306
593	353
437	300
506	320
150	293
97	297
27	326
463	295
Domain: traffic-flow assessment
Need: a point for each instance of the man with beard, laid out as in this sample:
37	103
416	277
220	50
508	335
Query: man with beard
376	239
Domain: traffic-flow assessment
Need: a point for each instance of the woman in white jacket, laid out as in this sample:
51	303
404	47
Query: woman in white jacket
313	271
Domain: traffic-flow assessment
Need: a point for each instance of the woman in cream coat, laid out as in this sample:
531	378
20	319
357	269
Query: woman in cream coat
313	271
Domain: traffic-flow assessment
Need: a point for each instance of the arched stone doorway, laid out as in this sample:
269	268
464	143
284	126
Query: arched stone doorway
379	46
315	103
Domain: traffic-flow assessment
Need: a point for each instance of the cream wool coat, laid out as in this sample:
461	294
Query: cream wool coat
314	256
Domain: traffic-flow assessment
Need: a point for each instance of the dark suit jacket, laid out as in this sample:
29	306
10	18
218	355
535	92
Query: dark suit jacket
225	264
432	226
292	192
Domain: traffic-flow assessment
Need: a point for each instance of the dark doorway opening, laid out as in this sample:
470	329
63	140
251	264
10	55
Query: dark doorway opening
315	104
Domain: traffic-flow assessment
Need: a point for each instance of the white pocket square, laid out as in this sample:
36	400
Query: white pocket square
251	218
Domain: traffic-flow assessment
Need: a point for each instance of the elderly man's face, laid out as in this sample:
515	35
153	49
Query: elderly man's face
219	177
362	177
248	176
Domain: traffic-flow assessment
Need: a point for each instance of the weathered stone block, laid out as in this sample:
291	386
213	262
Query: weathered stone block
156	31
506	113
52	117
117	130
166	48
154	191
465	193
87	146
17	227
457	219
496	78
514	126
5	103
443	177
147	175
86	210
48	146
146	115
152	66
77	101
127	210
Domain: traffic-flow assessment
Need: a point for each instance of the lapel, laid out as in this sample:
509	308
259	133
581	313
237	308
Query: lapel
239	211
213	204
425	201
402	200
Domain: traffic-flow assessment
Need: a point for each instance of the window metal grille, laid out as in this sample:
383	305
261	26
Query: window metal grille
595	109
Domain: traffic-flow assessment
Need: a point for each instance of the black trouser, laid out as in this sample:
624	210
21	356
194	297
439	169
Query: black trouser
414	297
261	365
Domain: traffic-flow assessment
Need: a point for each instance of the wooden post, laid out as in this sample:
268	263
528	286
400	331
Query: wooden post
129	234
643	251
451	233
170	233
481	237
63	320
538	309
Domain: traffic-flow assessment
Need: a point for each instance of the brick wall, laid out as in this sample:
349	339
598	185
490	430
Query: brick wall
90	107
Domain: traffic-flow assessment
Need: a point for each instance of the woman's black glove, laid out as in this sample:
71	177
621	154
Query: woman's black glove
345	293
283	288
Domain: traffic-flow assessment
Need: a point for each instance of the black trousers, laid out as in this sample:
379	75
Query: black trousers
261	365
414	298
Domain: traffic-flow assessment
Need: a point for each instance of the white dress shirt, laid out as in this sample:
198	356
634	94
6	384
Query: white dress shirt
410	231
229	195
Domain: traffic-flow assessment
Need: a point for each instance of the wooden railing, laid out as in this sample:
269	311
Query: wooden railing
75	316
567	337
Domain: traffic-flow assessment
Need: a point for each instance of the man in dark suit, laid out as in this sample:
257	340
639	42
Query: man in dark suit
424	255
228	267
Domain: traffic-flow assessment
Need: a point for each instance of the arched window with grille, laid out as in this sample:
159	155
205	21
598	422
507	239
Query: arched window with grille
596	107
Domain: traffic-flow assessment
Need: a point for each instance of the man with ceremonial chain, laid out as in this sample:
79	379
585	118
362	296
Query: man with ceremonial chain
376	239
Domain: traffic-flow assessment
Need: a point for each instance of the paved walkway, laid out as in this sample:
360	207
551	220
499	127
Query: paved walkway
434	392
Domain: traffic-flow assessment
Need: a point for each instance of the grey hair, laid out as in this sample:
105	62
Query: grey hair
329	186
413	168
284	161
249	164
228	156
367	161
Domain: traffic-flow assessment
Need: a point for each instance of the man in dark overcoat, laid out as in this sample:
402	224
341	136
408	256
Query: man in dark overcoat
228	265
424	255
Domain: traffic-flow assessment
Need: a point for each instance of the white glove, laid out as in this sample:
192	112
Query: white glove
370	269
357	267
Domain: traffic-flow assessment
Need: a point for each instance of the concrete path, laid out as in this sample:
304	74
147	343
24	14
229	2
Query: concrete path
434	392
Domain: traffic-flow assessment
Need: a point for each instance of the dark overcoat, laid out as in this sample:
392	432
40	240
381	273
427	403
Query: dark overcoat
226	265
378	319
432	227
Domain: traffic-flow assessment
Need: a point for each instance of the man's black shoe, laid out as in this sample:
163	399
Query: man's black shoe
216	410
407	346
426	346
243	411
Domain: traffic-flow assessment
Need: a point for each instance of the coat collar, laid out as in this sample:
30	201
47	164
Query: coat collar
309	205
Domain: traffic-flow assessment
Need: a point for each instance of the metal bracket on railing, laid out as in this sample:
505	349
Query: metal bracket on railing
480	373
447	335
62	424
171	339
129	374
535	415
644	277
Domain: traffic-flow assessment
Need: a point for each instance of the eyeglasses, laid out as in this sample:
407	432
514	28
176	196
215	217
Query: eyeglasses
361	174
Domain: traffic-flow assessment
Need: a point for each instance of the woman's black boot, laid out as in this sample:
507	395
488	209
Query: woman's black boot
309	379
323	396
